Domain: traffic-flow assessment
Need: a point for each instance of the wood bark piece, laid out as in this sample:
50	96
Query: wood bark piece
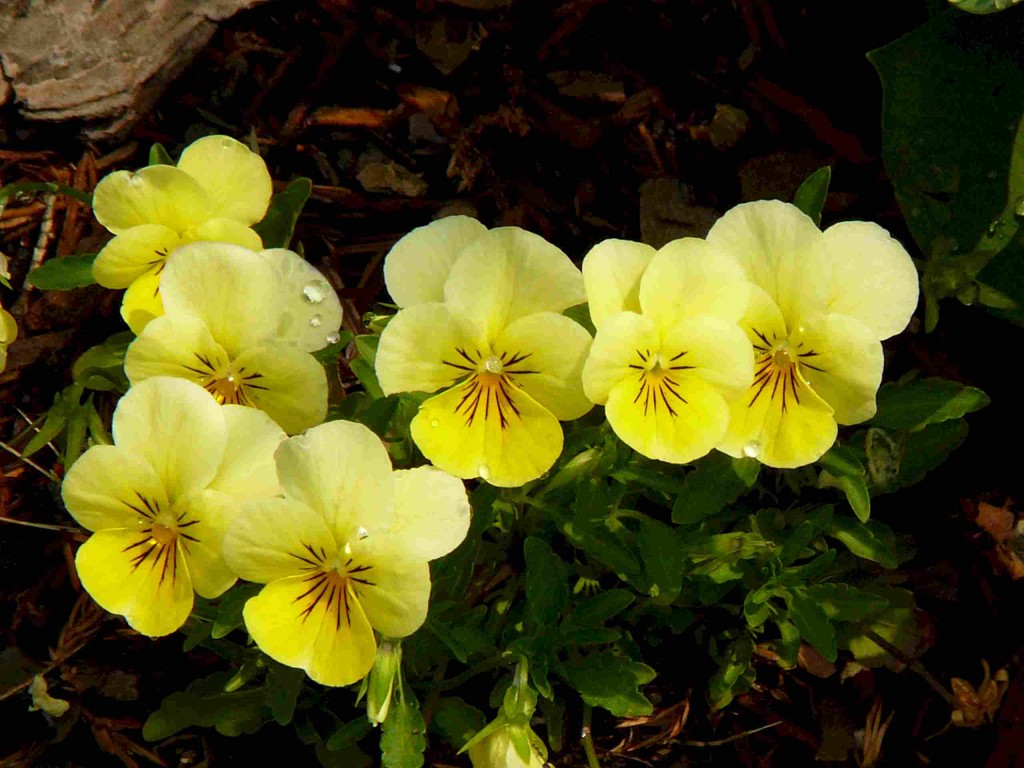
104	62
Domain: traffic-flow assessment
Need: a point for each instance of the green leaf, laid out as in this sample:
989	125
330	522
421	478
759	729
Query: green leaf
901	623
64	405
922	402
229	611
812	622
788	644
159	156
282	689
810	196
841	602
101	367
848	472
871	540
547	586
329	354
855	488
734	675
598	609
65	273
606	680
662	557
456	721
367	377
983	6
402	741
278	224
716	481
47	187
883	456
925	450
581	314
204	703
348	734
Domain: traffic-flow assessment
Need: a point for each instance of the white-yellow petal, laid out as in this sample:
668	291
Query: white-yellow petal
544	354
611	274
417	266
431	517
419	351
872	277
158	194
342	471
146	583
289	385
175	345
175	427
132	254
311	310
394	592
619	343
108	487
222	230
248	470
143	302
688	278
203	519
235	179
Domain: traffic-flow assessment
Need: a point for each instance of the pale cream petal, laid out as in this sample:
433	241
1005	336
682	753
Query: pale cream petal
311	310
203	518
342	471
776	244
611	273
233	291
872	277
109	487
842	360
132	254
422	349
287	384
417	266
507	274
276	538
431	514
236	179
248	470
717	351
544	354
689	277
143	302
225	231
617	353
128	574
179	346
394	592
488	428
175	427
158	194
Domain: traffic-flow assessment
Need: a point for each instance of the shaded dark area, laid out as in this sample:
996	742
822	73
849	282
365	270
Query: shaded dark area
581	121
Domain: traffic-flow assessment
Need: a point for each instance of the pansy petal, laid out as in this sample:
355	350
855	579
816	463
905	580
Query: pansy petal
329	638
179	346
418	265
544	354
235	178
342	470
204	518
109	487
776	245
175	427
611	273
289	385
393	591
147	583
689	277
617	353
422	350
488	428
276	538
142	302
248	470
715	350
132	254
158	194
872	277
841	358
431	514
225	231
226	286
311	310
780	427
507	274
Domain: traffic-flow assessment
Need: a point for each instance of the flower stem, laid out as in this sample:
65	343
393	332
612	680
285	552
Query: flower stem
587	740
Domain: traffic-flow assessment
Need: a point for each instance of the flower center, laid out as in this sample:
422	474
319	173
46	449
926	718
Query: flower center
332	582
162	534
227	384
226	390
490	383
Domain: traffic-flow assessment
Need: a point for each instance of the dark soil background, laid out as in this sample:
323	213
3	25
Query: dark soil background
579	120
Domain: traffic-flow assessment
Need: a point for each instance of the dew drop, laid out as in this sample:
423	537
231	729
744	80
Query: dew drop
484	471
135	180
347	549
435	423
231	379
362	533
314	292
333	338
315	321
1018	208
492	364
752	449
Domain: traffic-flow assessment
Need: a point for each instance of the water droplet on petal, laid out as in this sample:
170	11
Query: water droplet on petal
333	338
362	533
135	180
493	364
484	471
752	449
315	321
231	379
347	549
314	292
435	423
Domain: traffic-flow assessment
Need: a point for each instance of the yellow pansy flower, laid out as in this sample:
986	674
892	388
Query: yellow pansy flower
218	190
820	306
160	498
344	552
669	356
480	319
8	333
242	326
